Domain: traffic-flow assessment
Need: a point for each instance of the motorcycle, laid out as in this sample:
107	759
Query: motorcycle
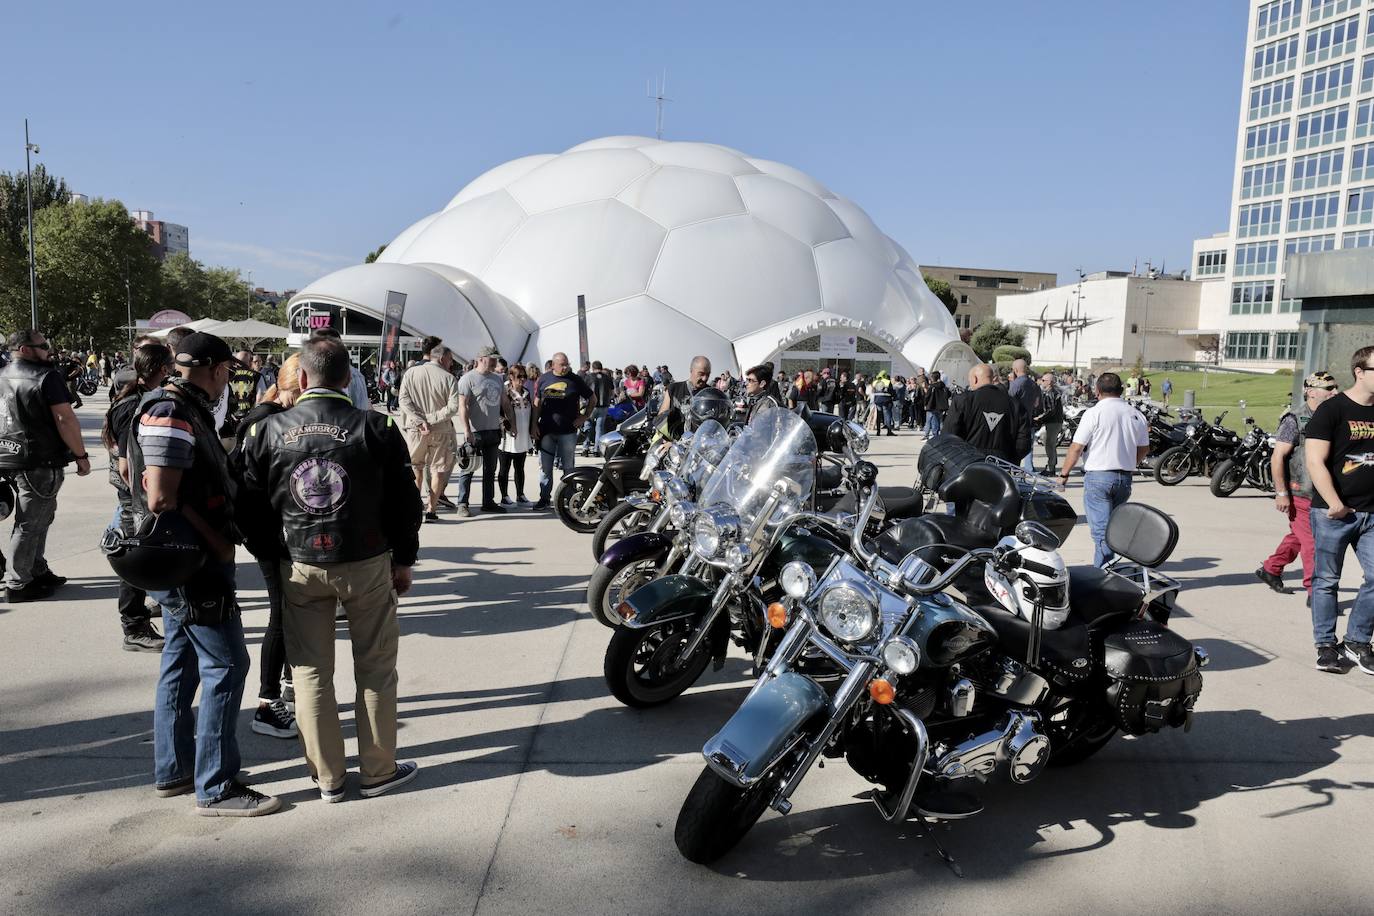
89	383
586	494
927	696
1250	464
1204	446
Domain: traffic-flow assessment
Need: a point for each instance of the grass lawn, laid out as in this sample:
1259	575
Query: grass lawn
1265	396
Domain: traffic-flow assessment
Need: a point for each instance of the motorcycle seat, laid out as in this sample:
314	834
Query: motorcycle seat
1066	651
1095	593
910	534
898	502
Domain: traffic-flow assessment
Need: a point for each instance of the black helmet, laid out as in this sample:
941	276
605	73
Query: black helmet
6	498
709	404
162	554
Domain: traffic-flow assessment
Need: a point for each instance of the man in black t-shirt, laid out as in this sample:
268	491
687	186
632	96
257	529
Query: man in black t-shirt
680	393
1340	461
558	411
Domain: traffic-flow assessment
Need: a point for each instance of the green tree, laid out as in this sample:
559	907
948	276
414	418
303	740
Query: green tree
942	292
184	286
374	255
1010	354
86	253
993	333
14	216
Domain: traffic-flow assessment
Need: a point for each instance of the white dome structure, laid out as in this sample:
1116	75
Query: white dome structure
679	249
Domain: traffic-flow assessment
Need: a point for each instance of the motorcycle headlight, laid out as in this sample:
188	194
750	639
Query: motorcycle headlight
737	556
677	489
712	529
681	513
901	654
797	579
848	613
652	459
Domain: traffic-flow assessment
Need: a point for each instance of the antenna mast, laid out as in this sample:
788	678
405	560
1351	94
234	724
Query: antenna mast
659	98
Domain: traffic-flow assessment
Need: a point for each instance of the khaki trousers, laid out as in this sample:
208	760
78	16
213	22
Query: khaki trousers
309	597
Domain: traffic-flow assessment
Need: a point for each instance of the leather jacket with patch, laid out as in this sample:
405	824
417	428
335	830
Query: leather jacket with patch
28	433
335	480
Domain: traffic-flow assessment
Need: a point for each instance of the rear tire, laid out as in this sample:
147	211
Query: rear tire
716	815
1227	478
1081	734
568	503
1173	466
635	658
608	587
623	519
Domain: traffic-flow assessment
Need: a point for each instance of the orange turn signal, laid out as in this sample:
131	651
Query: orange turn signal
882	691
655	496
625	610
777	615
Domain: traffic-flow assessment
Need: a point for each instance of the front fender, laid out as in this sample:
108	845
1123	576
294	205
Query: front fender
664	599
589	474
764	728
632	548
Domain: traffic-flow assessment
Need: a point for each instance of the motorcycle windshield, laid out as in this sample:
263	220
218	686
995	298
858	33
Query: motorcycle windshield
776	449
708	446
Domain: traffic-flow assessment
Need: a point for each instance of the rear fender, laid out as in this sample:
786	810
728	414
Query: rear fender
764	728
665	599
643	545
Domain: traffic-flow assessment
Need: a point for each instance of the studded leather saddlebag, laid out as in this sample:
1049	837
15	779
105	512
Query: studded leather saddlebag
1153	677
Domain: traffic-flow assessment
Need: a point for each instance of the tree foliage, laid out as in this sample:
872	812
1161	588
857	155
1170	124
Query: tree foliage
993	333
374	255
1010	354
14	216
942	292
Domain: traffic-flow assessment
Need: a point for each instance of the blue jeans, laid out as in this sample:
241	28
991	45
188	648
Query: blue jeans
565	446
933	423
884	414
1332	537
215	659
1103	491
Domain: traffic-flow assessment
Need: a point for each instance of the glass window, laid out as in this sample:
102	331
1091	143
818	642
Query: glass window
1331	40
1364	238
1255	297
1317	211
1268	99
1362	162
1364	114
1325	9
1319	128
1278	16
1211	263
1302	244
1275	58
1270	139
1327	84
1367	74
1317	170
1290	345
1255	258
1259	219
1247	345
1359	206
1263	180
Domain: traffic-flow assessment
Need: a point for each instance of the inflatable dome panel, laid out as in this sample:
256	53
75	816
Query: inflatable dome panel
672	196
782	204
470	235
579	178
699	156
498	178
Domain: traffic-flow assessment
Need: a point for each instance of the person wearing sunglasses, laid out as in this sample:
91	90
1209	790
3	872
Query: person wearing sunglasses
758	390
39	434
1340	462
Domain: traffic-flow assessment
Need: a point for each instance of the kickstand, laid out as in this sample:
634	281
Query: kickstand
944	855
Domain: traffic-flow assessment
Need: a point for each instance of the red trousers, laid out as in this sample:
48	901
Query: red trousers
1296	543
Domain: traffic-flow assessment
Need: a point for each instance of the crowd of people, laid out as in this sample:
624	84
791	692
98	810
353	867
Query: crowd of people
212	449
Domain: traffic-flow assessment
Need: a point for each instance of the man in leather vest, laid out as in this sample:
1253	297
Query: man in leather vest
335	484
1293	488
758	391
243	389
39	434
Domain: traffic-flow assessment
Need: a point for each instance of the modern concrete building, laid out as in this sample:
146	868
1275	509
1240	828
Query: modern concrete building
1112	317
977	289
1337	317
1304	176
168	238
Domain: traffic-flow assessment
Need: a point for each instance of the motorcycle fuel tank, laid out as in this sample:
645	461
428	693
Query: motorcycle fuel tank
948	631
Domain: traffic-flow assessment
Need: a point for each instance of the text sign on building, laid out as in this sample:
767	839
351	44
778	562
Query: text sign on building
168	318
839	345
308	318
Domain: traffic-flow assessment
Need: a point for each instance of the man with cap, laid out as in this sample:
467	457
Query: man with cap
176	464
334	484
1293	488
482	402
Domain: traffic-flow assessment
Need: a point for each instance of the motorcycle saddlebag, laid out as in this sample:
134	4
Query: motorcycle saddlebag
1153	678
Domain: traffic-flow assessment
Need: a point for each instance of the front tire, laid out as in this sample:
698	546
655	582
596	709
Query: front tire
637	666
624	519
716	815
608	587
1173	466
1227	478
568	503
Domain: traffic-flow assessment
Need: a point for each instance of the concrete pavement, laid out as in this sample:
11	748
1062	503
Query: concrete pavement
539	793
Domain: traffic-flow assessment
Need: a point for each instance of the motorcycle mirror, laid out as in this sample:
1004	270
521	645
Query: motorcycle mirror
1036	535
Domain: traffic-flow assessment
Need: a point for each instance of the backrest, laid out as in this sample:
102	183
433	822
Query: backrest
986	496
1142	534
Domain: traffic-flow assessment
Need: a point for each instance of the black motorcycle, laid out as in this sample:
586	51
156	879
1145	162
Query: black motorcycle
1250	464
586	494
1204	447
926	696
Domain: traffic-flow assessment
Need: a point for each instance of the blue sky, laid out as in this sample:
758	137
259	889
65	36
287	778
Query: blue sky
292	138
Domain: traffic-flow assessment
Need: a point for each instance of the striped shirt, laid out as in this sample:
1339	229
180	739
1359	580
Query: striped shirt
166	436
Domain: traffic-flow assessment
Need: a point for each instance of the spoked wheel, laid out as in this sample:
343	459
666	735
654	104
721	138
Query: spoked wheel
1227	478
623	519
716	815
608	587
1173	466
1077	731
571	497
642	667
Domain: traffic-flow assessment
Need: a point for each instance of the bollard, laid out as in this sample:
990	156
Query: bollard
1189	399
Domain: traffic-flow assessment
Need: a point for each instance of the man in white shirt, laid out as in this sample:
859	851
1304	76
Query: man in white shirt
1116	438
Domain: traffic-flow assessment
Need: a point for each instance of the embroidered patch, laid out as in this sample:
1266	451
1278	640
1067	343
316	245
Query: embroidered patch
992	419
323	541
319	486
296	433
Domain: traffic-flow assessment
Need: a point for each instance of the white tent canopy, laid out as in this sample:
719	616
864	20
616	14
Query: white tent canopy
200	324
247	329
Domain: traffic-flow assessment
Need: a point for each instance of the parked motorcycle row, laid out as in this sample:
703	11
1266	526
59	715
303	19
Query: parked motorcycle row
1229	460
932	651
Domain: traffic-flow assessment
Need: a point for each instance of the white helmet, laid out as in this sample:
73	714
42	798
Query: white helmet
1018	594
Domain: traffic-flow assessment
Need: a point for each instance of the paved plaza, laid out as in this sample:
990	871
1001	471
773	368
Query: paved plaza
539	793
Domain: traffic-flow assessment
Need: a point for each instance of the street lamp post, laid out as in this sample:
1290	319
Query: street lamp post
1145	328
30	149
129	305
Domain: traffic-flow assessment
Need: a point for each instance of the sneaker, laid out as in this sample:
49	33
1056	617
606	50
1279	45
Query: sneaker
431	516
507	501
1273	581
173	789
494	508
541	506
405	772
145	639
34	591
1361	654
51	579
288	695
464	512
330	796
239	801
1329	659
446	502
275	720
